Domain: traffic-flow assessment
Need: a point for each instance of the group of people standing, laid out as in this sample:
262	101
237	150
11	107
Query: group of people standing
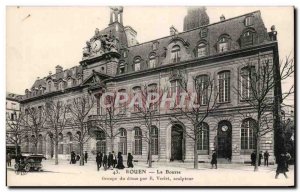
74	158
261	156
113	161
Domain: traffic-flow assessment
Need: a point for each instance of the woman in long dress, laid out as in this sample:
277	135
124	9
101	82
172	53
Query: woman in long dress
120	161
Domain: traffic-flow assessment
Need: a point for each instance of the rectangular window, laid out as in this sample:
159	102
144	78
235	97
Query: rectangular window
223	47
152	63
201	52
137	66
223	86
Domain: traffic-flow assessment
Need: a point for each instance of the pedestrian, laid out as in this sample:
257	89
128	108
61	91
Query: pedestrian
110	159
99	160
114	159
281	165
73	158
266	158
120	161
253	158
105	162
86	156
214	160
129	160
260	156
8	159
78	158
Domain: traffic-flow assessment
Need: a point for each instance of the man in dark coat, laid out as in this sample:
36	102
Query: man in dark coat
73	158
260	156
114	159
105	162
266	158
120	161
253	158
110	159
86	156
214	160
99	160
129	160
281	165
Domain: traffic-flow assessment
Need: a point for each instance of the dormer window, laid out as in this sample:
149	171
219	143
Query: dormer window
60	85
223	44
249	21
49	86
203	33
124	53
122	68
152	61
137	64
154	46
202	50
175	54
248	37
69	82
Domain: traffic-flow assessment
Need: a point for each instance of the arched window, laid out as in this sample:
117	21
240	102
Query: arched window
224	43
136	90
154	140
70	82
122	67
26	145
175	54
224	86
247	85
31	145
61	85
137	149
60	143
202	50
248	37
49	86
201	88
40	144
152	61
69	146
203	138
137	64
123	141
248	139
101	141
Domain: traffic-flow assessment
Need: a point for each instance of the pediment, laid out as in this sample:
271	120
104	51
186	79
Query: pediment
96	78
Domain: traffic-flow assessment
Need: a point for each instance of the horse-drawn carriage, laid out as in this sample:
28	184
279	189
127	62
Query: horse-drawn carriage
25	164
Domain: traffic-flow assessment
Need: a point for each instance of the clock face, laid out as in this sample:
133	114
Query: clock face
224	128
96	45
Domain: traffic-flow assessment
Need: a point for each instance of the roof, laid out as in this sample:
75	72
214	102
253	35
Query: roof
234	27
13	96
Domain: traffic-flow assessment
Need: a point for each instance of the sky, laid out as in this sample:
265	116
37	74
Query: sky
39	38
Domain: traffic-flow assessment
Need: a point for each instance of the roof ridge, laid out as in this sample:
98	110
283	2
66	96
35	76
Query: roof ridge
257	11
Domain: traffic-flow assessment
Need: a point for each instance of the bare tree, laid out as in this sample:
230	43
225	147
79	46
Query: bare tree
201	103
34	120
147	105
56	119
16	130
79	110
260	88
111	115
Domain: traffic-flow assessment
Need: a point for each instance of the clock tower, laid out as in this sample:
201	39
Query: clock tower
102	52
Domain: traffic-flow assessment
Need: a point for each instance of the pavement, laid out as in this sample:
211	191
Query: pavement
161	174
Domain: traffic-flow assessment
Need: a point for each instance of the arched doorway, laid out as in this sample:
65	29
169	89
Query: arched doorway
224	141
100	141
177	143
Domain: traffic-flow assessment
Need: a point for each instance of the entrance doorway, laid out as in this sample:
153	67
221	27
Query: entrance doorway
177	143
224	142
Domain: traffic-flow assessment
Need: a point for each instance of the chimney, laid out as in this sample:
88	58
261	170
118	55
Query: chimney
58	69
173	30
222	18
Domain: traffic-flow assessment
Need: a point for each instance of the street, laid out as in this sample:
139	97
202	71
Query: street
162	174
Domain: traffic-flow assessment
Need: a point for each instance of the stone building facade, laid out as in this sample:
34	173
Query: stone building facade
113	60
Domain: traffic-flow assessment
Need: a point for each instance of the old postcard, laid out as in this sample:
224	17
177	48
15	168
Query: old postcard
150	96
